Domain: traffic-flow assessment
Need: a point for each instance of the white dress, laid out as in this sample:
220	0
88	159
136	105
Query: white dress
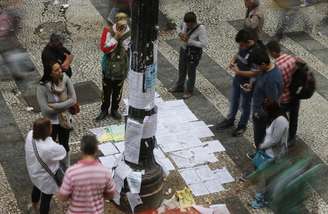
51	153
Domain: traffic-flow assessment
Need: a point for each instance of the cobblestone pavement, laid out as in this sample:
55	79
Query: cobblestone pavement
82	23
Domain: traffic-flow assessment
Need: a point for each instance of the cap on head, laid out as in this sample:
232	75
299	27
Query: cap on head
121	16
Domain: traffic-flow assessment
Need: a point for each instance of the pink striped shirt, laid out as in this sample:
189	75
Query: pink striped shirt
86	183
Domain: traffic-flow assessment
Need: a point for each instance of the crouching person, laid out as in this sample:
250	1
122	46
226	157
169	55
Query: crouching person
87	182
273	147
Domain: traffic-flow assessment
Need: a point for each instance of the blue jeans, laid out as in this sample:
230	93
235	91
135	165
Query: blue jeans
246	98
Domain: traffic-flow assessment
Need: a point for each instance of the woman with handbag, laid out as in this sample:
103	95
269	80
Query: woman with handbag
273	147
42	154
56	95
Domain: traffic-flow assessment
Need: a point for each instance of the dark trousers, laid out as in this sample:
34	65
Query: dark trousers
187	66
45	200
259	126
112	90
292	109
62	135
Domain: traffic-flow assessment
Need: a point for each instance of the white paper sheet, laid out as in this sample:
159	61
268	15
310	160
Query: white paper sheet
214	146
108	161
117	198
198	189
107	149
97	131
119	183
190	176
166	164
122	170
203	210
134	181
158	153
223	176
204	173
149	126
133	139
120	146
136	97
220	209
213	186
201	130
134	200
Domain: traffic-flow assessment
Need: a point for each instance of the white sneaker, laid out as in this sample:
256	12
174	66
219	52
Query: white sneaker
31	210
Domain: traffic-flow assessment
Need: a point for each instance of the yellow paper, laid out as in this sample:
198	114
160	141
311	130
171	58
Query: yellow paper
185	198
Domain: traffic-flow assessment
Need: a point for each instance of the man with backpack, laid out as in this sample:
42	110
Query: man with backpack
114	43
292	70
194	38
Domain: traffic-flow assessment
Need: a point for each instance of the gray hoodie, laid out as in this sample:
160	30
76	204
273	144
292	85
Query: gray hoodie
46	96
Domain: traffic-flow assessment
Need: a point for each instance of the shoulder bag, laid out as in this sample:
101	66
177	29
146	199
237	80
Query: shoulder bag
58	176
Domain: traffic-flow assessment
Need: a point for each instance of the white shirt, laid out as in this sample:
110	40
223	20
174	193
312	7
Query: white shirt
51	153
275	141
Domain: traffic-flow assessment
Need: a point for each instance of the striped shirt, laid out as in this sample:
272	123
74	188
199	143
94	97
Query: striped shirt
286	64
86	183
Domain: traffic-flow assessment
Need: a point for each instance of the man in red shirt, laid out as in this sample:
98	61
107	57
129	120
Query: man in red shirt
291	105
87	182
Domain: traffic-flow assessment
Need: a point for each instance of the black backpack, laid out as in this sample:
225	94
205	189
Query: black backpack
303	82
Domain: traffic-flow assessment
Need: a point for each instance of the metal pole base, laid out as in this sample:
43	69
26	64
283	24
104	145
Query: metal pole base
151	192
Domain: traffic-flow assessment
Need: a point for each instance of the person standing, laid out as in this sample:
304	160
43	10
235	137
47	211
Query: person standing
44	185
114	44
247	40
268	85
56	52
254	17
55	96
194	38
87	182
291	105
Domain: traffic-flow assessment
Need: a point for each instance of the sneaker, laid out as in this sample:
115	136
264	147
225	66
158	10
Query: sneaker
238	131
250	156
175	90
102	115
116	115
224	124
187	95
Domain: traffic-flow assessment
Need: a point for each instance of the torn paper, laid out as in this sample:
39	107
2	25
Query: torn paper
134	181
134	200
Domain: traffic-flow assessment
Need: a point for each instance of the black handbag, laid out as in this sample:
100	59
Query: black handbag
58	176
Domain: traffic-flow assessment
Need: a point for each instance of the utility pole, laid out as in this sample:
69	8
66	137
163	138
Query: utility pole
142	108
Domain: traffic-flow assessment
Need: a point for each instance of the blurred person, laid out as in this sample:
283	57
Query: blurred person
274	145
87	182
194	38
56	52
55	96
290	9
291	105
44	186
114	44
268	84
254	17
247	40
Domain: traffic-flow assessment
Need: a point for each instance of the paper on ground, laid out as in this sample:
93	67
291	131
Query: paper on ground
133	137
134	200
214	146
220	209
120	146
108	161
166	164
134	181
122	170
223	176
108	149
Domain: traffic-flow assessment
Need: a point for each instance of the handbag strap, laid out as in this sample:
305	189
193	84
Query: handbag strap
43	164
193	30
